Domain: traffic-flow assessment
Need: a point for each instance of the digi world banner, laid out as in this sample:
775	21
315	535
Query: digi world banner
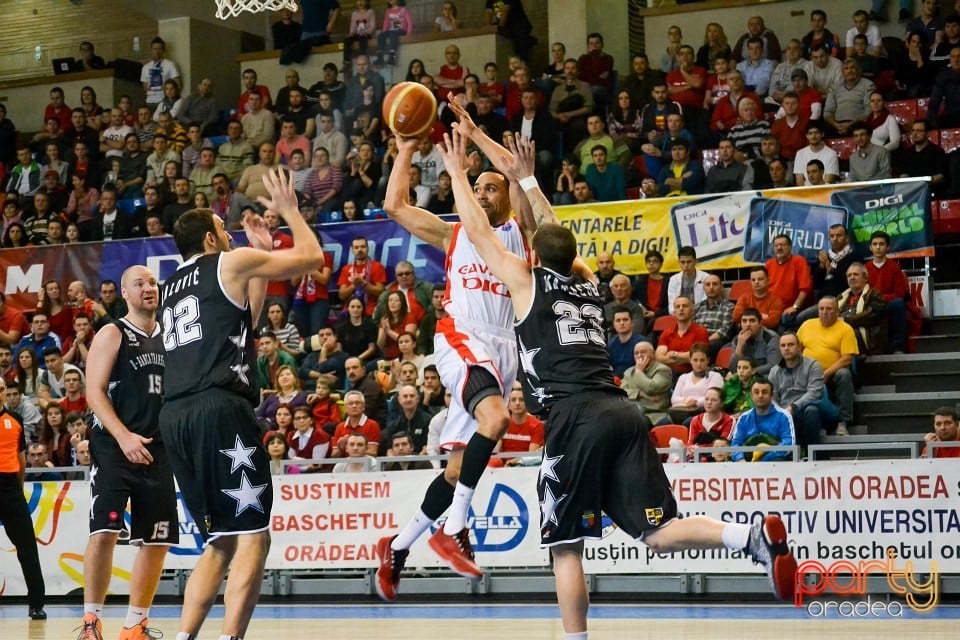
737	229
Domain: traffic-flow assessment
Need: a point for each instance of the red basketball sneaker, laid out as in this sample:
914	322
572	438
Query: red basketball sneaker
456	552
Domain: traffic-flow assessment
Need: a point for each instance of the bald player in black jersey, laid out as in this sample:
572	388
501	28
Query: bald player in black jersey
124	390
208	315
597	455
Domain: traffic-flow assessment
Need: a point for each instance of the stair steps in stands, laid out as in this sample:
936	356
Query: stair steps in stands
900	413
910	373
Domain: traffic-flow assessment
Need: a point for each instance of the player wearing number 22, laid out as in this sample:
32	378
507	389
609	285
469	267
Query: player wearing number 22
125	372
207	420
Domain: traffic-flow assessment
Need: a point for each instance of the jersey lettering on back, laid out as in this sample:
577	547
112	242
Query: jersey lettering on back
561	342
208	338
136	381
473	292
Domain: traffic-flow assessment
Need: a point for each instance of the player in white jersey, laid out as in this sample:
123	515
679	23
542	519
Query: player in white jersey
475	349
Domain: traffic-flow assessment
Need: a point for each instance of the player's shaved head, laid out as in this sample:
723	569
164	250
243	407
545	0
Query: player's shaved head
132	273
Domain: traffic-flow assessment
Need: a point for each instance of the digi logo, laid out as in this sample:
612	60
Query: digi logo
713	226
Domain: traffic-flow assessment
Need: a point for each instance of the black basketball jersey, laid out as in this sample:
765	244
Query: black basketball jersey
561	342
207	336
136	381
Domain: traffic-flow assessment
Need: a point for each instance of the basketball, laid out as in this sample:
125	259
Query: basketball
409	109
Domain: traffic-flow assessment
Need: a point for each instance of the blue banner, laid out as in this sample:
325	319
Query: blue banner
805	222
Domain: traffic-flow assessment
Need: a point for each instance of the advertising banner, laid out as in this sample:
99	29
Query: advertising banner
736	229
834	512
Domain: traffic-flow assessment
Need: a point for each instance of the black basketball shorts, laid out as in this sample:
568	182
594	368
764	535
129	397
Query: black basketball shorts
598	459
222	469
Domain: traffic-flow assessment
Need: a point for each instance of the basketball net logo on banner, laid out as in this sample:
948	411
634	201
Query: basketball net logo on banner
233	8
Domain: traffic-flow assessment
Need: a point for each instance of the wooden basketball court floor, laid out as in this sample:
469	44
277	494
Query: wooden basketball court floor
527	621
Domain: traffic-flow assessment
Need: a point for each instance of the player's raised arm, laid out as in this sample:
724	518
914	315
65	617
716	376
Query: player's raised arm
415	220
512	269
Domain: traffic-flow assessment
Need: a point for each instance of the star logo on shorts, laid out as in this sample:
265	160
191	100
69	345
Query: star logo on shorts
93	474
240	456
548	467
549	502
246	495
241	369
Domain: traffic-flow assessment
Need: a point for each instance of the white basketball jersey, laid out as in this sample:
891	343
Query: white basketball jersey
473	293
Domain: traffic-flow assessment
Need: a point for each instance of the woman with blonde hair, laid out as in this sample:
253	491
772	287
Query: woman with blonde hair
715	44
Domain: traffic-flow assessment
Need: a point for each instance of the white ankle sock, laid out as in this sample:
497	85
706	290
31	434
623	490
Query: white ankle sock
414	529
94	608
183	635
576	636
736	536
457	513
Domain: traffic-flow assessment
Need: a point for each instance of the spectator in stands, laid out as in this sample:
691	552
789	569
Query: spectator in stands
749	131
40	337
823	71
863	308
624	122
570	105
621	293
324	359
670	59
656	153
363	75
829	273
798	388
251	181
946	93
307	441
714	313
418	293
790	278
332	139
171	102
450	77
757	70
782	79
713	425
832	342
491	121
725	114
651	288
157	160
250	87
717	86
36	223
182	203
110	307
409	417
269	362
13	325
755	341
604	275
862	26
367	385
535	123
912	68
816	149
790	128
324	182
869	63
686	85
923	158
401	444
729	174
757	29
290	140
736	387
596	68
928	24
50	134
688	393
25	177
715	45
623	339
815	174
868	161
137	223
364	278
884	128
656	111
133	169
235	154
525	433
648	382
50	385
811	102
765	424
683	176
57	109
157	71
689	282
673	347
888	279
303	115
14	402
196	143
641	81
200	107
847	101
79	132
606	180
940	56
145	128
945	420
258	122
760	298
819	36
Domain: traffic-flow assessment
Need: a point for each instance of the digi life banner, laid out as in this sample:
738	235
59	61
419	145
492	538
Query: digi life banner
23	271
736	229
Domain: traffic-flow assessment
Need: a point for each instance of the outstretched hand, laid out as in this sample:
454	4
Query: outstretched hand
467	126
283	199
454	151
521	161
407	143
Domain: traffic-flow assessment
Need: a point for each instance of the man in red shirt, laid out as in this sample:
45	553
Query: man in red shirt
525	432
888	278
945	429
686	86
354	406
364	277
57	109
790	278
13	325
596	69
673	348
761	299
250	86
791	129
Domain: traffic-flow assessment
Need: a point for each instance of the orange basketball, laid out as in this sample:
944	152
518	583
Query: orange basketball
409	109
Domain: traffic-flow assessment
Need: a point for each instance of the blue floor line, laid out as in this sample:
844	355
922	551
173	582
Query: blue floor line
482	611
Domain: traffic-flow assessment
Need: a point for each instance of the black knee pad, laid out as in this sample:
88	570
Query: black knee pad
480	384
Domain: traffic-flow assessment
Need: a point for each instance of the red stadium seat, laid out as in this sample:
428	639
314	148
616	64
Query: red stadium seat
640	163
922	104
905	111
665	432
738	289
950	139
843	146
663	323
723	357
946	216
